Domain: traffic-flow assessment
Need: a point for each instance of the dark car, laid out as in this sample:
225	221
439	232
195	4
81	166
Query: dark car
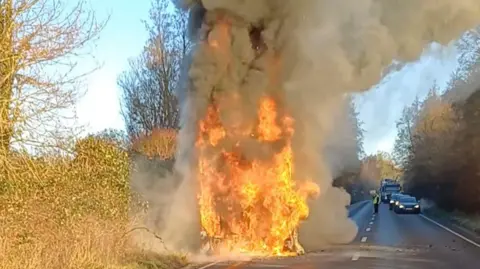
407	204
394	198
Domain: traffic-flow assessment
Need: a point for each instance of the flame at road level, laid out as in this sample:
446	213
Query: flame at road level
254	205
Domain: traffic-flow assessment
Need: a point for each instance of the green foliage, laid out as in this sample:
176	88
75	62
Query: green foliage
72	210
92	182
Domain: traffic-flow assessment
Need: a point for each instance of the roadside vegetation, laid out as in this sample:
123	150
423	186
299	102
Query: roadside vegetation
72	210
65	198
438	143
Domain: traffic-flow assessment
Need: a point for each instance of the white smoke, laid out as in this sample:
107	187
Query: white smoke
327	48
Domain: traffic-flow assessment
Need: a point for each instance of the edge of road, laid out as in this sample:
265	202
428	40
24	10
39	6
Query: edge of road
462	233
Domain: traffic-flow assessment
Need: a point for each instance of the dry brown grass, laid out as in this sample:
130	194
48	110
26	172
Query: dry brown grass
71	212
88	244
160	143
91	243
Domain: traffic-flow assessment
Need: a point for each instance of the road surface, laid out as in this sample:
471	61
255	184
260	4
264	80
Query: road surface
385	241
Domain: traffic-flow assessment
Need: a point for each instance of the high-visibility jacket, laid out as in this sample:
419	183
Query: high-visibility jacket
376	199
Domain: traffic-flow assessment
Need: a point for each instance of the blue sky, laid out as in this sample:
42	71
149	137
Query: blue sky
381	106
125	35
123	38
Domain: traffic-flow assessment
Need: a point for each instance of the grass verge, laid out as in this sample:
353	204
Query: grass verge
72	211
469	222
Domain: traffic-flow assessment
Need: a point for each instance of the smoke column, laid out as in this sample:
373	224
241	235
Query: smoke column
319	50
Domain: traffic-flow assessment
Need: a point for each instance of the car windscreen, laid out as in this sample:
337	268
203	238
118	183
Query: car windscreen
392	188
408	200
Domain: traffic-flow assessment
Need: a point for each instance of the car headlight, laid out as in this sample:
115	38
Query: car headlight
391	201
417	206
397	202
401	206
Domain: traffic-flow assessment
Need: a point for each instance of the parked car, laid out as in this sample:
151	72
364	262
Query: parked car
407	204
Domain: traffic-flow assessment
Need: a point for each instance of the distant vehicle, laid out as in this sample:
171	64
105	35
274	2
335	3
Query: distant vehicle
394	198
387	188
407	204
387	181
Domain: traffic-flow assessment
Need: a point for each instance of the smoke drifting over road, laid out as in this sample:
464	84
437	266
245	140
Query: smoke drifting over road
304	55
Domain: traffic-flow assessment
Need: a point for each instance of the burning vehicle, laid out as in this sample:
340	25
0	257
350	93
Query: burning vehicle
213	245
251	203
251	198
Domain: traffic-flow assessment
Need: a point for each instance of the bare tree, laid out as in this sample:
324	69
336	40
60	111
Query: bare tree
40	40
404	144
356	123
148	100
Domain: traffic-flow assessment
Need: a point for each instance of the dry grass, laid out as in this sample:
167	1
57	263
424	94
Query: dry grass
160	143
471	222
71	212
87	244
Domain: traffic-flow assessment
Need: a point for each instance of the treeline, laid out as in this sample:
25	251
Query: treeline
438	142
350	175
379	166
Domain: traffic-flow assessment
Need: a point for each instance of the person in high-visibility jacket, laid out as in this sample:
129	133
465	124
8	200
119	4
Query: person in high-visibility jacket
376	202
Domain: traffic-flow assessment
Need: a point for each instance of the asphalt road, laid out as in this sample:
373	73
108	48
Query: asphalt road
385	241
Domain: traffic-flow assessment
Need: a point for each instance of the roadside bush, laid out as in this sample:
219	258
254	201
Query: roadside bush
161	143
68	210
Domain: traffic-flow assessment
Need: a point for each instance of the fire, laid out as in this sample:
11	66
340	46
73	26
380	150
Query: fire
252	204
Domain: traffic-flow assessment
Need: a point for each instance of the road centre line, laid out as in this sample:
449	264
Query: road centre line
368	229
355	256
267	265
364	239
450	230
209	265
371	222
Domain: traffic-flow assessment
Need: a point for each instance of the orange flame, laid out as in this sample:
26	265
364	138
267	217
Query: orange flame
253	205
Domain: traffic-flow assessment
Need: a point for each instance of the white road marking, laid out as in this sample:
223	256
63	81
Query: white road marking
371	222
451	231
267	265
368	229
355	256
364	239
209	265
